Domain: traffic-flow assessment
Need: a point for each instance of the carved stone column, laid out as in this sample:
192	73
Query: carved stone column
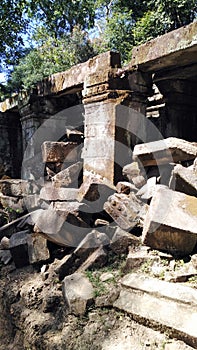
110	95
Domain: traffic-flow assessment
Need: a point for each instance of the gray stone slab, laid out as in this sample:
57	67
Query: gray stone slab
171	222
170	305
164	151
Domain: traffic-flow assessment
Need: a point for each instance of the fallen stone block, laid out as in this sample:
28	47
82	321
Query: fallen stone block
94	191
182	275
52	193
136	259
131	170
15	187
59	152
161	303
15	203
26	248
164	151
147	191
125	187
139	181
67	176
78	293
37	249
5	243
91	243
184	180
171	222
63	223
122	240
97	259
126	211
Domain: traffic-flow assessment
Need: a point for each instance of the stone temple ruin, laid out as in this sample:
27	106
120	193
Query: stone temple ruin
99	155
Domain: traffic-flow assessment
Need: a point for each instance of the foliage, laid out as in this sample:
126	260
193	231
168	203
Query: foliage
50	56
62	16
112	38
13	25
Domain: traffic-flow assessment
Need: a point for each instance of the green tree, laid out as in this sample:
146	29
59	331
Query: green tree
13	25
50	56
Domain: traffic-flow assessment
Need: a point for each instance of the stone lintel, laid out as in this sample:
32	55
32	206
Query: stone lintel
176	48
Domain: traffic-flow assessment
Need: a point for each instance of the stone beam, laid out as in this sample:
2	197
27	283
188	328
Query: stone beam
177	48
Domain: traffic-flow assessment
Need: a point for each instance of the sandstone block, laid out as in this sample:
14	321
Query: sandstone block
64	223
91	243
59	152
26	248
126	211
162	303
14	187
171	222
69	175
184	180
164	151
52	193
78	293
122	240
97	259
137	258
95	190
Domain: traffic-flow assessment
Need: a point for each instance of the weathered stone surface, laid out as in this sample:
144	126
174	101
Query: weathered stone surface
15	187
182	275
195	166
126	211
69	175
121	241
5	243
15	203
52	193
37	249
135	259
164	52
85	249
125	187
164	151
131	170
28	248
161	302
95	190
78	293
147	191
184	180
59	151
139	181
171	222
97	259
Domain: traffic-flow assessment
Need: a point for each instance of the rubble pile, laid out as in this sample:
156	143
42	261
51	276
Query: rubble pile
154	209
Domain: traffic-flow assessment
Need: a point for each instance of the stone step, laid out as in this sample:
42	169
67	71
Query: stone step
171	306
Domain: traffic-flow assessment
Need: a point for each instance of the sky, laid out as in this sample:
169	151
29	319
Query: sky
2	78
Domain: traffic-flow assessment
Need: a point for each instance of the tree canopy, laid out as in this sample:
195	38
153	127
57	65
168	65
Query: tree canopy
40	37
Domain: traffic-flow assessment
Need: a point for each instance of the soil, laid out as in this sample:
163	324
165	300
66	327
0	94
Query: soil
34	316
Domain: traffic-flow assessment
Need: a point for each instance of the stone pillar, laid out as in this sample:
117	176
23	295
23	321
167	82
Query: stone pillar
111	128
